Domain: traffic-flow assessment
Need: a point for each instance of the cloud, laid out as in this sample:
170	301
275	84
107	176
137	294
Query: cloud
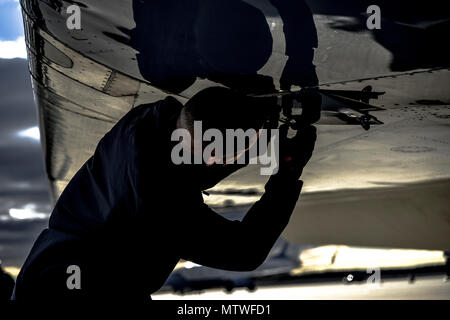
28	212
24	197
32	133
13	49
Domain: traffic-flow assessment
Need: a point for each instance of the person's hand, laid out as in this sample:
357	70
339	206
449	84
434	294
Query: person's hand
295	152
311	101
303	75
299	71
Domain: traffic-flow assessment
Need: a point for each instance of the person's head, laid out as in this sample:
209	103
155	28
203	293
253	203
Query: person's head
203	133
220	108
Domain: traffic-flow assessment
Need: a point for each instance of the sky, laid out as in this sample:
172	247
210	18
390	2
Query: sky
12	42
24	199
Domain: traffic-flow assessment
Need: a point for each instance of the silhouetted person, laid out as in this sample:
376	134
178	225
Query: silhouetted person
130	214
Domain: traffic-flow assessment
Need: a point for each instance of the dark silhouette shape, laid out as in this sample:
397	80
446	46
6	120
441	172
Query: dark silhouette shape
226	41
129	214
179	41
414	47
301	39
411	31
6	285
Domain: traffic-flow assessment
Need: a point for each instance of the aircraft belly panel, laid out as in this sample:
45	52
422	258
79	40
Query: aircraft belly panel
86	80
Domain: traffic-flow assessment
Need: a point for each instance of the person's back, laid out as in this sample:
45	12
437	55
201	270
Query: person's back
101	221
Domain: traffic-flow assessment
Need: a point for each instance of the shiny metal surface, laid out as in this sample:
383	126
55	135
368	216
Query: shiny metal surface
85	80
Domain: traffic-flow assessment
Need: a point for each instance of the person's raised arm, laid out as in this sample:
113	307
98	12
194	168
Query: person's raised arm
211	240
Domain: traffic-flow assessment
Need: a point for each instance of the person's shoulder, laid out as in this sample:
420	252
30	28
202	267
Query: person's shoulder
154	117
162	108
169	106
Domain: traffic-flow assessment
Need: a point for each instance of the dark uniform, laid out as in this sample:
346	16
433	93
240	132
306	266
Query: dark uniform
129	215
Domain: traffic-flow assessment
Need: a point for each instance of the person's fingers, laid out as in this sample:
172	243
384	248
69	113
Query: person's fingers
310	134
311	107
306	135
283	131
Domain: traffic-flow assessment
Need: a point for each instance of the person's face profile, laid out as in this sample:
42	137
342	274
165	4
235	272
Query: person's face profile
216	145
216	158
